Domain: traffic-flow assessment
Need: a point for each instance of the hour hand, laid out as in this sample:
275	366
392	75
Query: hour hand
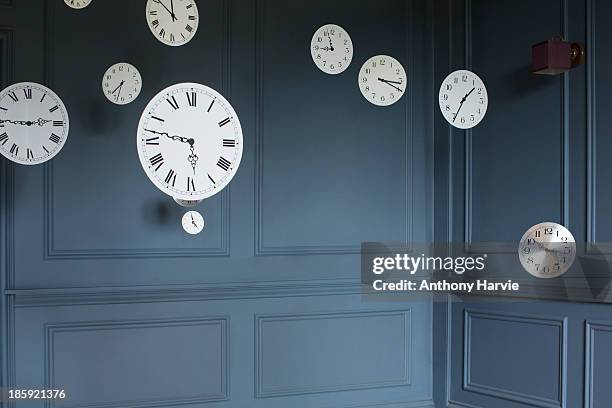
167	9
173	137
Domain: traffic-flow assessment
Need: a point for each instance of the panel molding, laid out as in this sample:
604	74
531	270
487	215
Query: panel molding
479	247
51	329
52	252
511	395
261	248
260	320
591	329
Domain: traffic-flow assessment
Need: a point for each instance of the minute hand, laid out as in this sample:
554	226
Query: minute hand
173	137
462	102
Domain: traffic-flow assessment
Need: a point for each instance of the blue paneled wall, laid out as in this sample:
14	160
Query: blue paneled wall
105	296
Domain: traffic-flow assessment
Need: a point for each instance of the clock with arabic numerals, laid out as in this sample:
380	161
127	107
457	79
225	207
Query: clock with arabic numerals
173	22
121	83
382	80
547	250
189	141
33	123
331	49
77	4
463	99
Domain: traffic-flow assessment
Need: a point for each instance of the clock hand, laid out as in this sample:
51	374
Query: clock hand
119	93
39	122
118	86
462	102
326	48
167	9
330	44
389	83
178	138
192	158
193	221
172	10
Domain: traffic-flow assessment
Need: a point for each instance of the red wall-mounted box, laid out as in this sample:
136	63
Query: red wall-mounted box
552	57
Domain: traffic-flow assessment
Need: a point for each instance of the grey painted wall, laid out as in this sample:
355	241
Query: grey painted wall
102	293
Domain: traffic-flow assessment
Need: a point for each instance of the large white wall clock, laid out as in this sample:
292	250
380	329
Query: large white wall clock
189	141
547	250
78	4
33	123
382	80
121	83
173	22
331	49
463	99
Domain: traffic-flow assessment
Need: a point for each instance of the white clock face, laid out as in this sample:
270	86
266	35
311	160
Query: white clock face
547	250
78	4
121	83
193	222
173	22
382	80
463	99
33	123
189	141
331	49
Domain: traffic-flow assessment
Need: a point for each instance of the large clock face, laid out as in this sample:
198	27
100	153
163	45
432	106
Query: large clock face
382	80
463	99
121	83
331	49
78	4
189	141
173	22
33	123
547	250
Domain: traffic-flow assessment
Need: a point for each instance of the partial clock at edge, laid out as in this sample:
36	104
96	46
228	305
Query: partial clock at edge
331	49
463	99
189	141
34	123
77	4
121	83
173	23
382	80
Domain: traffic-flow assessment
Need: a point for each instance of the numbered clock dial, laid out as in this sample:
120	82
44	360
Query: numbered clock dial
33	123
193	222
189	141
382	80
173	22
78	4
331	49
547	250
463	99
121	83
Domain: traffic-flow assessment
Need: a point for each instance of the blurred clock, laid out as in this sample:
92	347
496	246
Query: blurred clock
547	250
463	99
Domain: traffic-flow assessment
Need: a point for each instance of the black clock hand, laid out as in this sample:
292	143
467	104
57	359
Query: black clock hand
193	221
178	138
331	46
192	158
462	102
39	122
167	9
172	10
118	86
389	83
119	93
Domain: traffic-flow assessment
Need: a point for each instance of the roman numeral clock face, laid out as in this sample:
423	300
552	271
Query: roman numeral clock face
189	141
173	22
33	123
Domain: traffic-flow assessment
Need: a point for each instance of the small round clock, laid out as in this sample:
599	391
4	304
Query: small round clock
173	22
331	49
189	141
463	99
78	4
547	250
382	80
193	222
33	123
121	83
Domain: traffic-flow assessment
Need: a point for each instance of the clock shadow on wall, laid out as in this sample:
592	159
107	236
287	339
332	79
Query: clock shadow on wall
102	141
